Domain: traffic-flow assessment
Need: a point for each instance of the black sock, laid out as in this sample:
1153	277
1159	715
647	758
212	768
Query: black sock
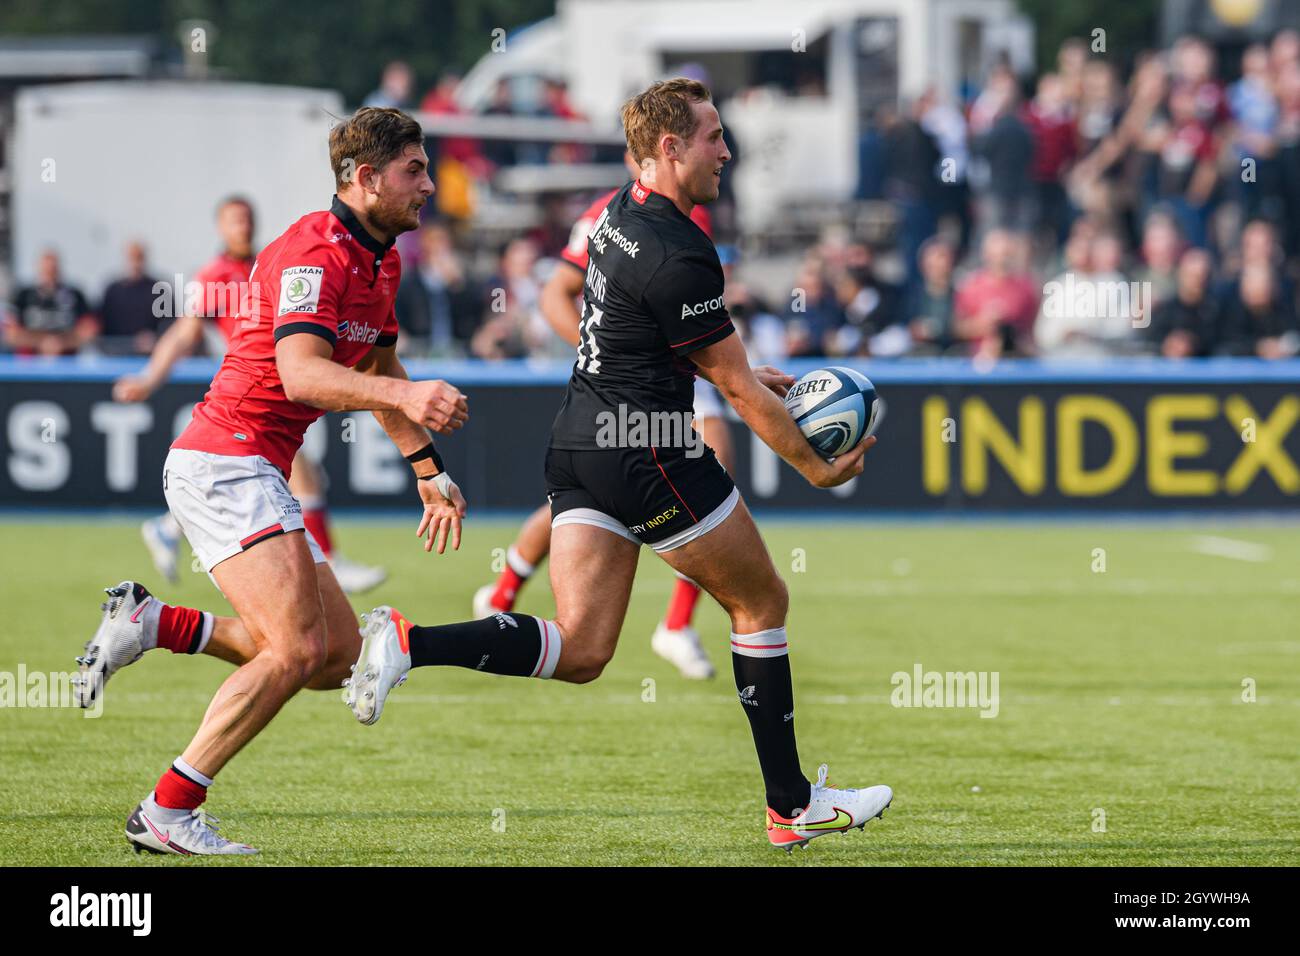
761	666
517	645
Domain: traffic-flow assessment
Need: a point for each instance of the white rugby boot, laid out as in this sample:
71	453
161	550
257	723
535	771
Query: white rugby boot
154	829
356	578
483	606
162	538
682	649
829	810
125	632
383	664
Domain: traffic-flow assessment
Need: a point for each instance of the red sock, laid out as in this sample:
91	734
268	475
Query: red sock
681	605
316	521
177	792
503	598
180	629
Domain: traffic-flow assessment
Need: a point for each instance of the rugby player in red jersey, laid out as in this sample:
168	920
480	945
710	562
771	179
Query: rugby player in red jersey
675	640
222	283
653	317
319	335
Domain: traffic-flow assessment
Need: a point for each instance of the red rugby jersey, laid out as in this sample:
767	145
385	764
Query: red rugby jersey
223	280
575	253
324	276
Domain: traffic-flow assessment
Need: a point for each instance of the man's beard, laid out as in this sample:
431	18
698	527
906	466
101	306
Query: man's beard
392	220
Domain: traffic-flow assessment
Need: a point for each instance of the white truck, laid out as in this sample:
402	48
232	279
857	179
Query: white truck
794	81
95	165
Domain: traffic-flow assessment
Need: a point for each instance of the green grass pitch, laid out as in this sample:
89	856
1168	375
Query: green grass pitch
1121	738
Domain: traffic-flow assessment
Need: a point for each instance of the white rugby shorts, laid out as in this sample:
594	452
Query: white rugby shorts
225	504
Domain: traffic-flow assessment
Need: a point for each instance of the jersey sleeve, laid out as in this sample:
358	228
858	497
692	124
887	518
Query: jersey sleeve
685	297
575	253
307	288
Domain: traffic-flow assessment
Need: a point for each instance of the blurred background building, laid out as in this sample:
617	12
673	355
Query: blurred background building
909	175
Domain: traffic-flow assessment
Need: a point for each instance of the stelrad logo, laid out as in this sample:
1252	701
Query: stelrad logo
702	308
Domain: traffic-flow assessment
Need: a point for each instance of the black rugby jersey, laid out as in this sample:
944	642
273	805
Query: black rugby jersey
651	296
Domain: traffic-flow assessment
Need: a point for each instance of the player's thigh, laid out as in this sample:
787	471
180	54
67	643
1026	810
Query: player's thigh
731	562
717	436
305	478
534	538
591	576
274	590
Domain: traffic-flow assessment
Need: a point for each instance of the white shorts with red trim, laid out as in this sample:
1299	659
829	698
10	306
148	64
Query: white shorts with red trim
226	504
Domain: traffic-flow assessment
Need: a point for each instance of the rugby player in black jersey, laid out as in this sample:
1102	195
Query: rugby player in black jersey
624	468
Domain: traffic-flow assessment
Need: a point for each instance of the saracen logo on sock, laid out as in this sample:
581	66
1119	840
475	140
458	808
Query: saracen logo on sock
747	697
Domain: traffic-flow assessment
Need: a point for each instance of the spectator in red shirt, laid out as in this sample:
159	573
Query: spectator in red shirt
1051	122
996	305
1186	150
441	101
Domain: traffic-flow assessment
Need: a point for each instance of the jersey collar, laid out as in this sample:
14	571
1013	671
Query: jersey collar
344	214
643	195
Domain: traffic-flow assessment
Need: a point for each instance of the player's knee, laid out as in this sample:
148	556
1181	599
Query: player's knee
584	671
298	662
765	608
581	662
780	599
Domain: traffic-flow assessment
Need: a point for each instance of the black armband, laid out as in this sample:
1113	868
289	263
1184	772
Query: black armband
428	451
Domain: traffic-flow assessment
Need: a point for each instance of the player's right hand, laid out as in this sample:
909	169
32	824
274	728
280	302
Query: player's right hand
847	466
129	388
436	405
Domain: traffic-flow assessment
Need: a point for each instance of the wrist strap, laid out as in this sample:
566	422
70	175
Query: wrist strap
429	452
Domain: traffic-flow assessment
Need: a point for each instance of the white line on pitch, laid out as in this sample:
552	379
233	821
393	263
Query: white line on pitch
1231	548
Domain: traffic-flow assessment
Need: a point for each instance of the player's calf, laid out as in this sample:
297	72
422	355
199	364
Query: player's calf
513	645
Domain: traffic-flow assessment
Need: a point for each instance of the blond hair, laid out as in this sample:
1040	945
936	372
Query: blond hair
665	107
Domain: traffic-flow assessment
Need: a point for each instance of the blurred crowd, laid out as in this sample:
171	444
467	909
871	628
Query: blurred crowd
1090	215
1085	213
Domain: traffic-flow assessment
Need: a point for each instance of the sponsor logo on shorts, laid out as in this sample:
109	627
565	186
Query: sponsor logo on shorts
656	521
701	308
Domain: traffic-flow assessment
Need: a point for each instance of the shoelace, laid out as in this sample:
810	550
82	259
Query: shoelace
204	827
821	783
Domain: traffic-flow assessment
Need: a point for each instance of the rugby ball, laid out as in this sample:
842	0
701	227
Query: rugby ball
835	408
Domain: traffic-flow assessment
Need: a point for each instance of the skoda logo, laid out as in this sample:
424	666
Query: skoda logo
298	289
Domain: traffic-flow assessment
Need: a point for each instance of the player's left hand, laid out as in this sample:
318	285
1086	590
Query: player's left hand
442	514
773	379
